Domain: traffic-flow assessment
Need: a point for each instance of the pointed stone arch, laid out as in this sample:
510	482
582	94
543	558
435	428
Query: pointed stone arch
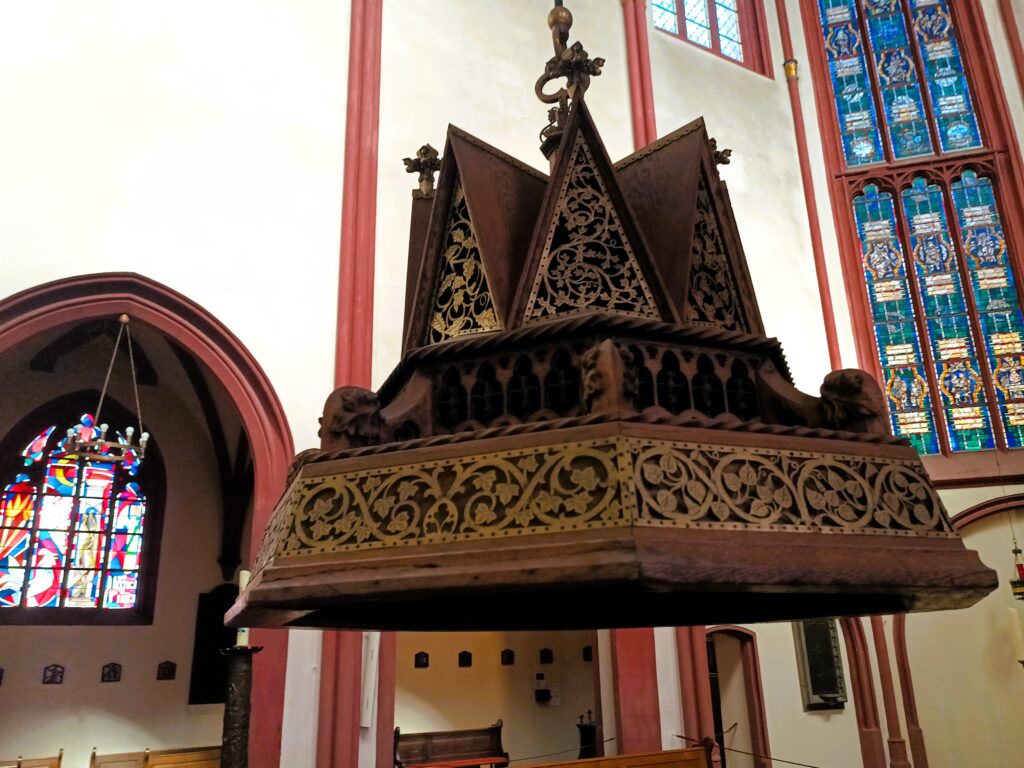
74	299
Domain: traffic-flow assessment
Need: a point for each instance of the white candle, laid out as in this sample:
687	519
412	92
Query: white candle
242	636
1018	634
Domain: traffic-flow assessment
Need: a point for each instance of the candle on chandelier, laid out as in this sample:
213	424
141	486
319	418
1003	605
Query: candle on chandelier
242	636
1018	635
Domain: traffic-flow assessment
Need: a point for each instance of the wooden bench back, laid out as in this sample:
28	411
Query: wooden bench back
674	758
34	762
199	757
413	749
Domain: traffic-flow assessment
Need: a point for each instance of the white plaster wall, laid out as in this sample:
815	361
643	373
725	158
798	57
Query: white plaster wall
818	738
473	65
198	143
445	696
970	689
735	715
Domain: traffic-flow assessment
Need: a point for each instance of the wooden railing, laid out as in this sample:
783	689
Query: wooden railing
674	758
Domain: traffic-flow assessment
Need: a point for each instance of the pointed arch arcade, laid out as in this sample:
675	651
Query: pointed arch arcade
83	297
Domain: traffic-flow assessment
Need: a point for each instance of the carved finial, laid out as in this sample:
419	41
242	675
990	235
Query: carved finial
426	164
572	62
721	156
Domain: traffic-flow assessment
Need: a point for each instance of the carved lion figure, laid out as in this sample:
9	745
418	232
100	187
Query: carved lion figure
852	400
351	419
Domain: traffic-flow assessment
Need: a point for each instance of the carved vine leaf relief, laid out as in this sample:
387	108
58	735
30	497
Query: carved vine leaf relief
523	491
679	483
713	298
588	262
462	301
585	485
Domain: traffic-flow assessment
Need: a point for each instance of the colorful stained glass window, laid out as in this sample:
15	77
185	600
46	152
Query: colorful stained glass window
903	364
954	116
947	322
712	24
858	122
884	56
898	81
950	334
71	528
995	296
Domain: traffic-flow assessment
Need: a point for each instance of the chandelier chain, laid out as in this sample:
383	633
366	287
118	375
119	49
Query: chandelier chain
135	380
110	369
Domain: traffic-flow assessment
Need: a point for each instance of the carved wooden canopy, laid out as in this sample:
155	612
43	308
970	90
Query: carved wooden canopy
588	427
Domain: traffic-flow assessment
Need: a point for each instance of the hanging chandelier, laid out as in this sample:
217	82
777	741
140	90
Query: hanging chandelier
1017	583
91	439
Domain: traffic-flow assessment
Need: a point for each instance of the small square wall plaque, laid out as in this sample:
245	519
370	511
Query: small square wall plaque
166	670
111	673
53	675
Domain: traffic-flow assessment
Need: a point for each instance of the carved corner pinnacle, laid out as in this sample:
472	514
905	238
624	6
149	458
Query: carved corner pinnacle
426	164
609	383
722	157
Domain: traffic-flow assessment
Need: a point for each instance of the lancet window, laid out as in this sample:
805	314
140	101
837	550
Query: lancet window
730	28
916	174
71	527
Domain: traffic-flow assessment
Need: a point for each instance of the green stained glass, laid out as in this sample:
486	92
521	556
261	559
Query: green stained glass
995	294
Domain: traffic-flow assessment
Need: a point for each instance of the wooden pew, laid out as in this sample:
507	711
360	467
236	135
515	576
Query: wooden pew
196	757
450	749
34	762
673	758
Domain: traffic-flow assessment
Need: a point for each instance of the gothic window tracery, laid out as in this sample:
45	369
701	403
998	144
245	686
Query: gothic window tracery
729	28
916	177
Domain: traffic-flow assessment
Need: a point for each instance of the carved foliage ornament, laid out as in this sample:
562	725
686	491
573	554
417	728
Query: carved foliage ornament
587	263
462	301
591	485
713	299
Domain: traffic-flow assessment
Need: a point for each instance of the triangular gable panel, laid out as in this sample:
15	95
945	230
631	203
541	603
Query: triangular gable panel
588	261
462	301
504	197
713	295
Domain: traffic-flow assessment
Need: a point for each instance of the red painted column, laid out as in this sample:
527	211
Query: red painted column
638	61
804	160
695	685
341	659
897	746
862	685
635	676
914	732
386	699
1013	36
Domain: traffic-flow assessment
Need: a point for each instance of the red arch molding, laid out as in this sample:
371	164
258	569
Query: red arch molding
756	715
74	299
1011	503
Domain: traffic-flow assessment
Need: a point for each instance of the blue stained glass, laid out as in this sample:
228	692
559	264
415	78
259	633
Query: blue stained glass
729	29
944	72
898	79
11	582
698	25
995	294
664	13
906	381
957	368
858	121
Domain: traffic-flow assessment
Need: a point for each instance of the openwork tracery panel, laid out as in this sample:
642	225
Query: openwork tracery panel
713	296
588	262
462	300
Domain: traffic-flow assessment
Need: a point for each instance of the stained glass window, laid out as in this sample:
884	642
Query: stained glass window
71	528
949	332
896	71
712	24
